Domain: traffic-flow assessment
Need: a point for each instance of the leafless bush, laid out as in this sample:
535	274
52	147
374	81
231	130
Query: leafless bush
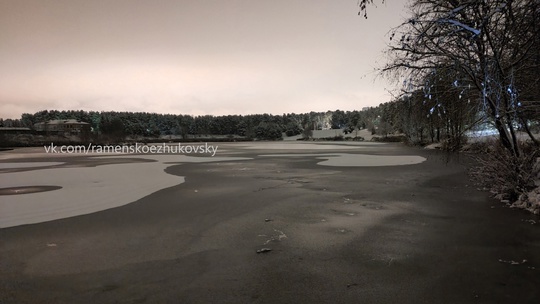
504	174
454	144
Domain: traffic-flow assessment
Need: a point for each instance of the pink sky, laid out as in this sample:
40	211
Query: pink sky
192	57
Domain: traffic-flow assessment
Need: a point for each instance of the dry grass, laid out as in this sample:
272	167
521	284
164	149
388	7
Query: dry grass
509	178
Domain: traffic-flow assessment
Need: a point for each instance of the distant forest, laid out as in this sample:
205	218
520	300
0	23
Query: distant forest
262	126
422	119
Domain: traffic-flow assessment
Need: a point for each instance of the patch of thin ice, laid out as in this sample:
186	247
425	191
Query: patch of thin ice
28	165
358	160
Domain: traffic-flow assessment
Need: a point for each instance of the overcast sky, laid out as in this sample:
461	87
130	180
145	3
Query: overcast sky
192	56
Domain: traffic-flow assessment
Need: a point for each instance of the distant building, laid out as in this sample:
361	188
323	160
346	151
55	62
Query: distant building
15	130
66	126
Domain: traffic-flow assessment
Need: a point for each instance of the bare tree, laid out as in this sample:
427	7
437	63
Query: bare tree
490	42
362	5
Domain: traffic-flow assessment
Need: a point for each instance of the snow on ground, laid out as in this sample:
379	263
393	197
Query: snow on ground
481	133
358	160
332	133
433	146
302	145
86	189
489	135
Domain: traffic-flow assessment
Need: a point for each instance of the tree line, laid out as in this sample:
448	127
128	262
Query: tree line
143	124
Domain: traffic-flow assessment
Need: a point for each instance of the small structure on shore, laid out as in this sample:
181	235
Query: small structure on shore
63	126
15	130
